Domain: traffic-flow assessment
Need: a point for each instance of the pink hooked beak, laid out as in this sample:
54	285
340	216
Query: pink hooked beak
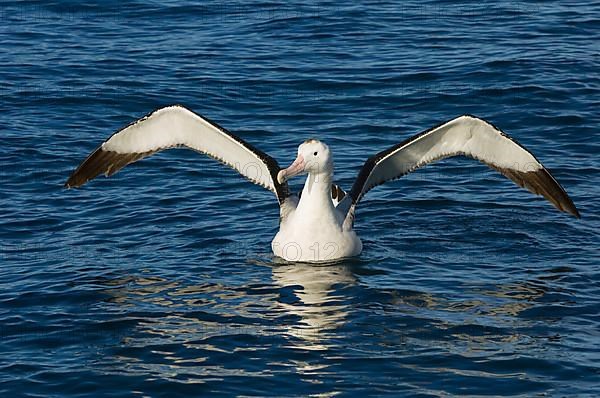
295	168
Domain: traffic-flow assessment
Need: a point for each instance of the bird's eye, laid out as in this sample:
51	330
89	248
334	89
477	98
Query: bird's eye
315	153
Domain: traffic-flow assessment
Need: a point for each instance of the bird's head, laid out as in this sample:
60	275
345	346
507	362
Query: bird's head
313	158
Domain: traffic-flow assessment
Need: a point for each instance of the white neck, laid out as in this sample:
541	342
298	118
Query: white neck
316	196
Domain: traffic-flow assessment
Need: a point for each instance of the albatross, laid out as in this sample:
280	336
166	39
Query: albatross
316	224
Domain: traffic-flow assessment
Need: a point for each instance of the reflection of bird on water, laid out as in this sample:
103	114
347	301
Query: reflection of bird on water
319	305
315	300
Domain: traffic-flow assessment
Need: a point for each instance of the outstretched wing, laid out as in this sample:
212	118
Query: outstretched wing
172	127
464	136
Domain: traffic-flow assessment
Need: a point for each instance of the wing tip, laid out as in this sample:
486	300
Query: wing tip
556	193
572	210
74	181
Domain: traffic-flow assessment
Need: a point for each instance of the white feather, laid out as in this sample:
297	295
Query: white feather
465	135
177	126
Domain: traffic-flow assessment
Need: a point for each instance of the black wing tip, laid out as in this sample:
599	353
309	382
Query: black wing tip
572	210
75	181
541	182
98	162
576	213
565	203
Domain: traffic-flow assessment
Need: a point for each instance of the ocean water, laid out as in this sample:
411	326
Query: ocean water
159	281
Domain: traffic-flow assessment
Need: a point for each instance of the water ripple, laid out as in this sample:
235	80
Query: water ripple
159	281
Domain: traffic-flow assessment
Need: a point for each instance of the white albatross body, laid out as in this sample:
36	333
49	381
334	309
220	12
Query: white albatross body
317	224
313	228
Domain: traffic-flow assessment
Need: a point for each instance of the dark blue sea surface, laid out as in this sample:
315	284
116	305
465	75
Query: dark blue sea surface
160	282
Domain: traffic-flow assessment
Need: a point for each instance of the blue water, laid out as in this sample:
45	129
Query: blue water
160	282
